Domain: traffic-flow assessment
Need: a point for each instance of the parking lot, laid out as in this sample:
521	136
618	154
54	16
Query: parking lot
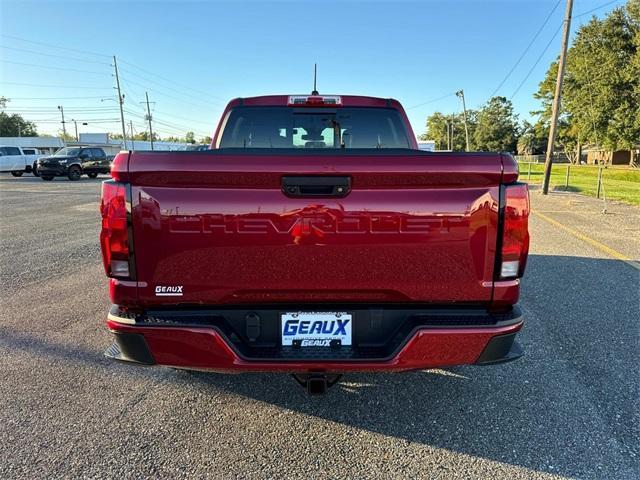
569	408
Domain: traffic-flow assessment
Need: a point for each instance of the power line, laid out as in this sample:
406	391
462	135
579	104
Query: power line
49	112
551	41
181	92
161	94
536	63
526	49
189	95
87	120
53	55
201	92
47	109
54	86
44	114
159	126
54	98
180	128
54	68
596	8
431	101
55	46
183	118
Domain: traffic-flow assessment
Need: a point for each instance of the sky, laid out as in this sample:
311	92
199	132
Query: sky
192	57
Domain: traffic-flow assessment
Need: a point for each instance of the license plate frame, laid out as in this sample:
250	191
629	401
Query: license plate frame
316	329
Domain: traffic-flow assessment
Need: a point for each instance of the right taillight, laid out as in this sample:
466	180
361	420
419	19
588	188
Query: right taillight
114	236
515	231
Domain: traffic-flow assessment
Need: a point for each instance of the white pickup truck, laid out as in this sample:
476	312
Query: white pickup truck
19	160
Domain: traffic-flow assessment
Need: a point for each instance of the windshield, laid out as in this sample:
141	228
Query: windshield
67	152
304	127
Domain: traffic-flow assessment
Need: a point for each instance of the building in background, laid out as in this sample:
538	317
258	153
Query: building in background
112	146
427	145
46	145
49	145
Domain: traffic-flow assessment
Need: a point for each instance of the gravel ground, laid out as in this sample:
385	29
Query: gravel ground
569	408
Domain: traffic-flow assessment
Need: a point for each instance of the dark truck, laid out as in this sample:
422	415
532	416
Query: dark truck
73	162
315	239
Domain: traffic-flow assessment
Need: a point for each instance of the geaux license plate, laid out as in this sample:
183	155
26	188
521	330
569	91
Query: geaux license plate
316	329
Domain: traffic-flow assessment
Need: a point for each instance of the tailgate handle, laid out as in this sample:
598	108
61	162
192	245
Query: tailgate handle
316	186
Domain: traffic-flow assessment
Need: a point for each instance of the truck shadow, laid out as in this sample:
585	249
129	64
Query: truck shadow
544	412
574	391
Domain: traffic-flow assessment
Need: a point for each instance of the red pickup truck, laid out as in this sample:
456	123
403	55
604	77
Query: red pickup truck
314	238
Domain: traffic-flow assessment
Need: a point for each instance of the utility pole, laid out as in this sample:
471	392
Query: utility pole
133	143
448	134
149	118
120	102
460	94
75	123
64	129
553	130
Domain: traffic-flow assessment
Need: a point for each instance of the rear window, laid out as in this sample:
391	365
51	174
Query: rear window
304	127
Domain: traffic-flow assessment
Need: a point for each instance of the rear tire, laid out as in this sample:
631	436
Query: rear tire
92	175
74	173
17	174
46	178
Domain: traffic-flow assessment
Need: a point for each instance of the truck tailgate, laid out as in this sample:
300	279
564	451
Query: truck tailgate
217	228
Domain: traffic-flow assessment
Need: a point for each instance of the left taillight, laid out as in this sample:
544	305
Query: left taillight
515	231
114	235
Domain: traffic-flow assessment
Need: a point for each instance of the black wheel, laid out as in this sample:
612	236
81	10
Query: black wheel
17	174
74	173
46	177
92	175
34	170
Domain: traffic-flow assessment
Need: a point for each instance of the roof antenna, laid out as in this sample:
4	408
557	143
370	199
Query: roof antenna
315	77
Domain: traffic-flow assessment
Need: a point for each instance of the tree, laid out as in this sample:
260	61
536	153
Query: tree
66	138
144	136
601	92
190	137
438	123
532	139
205	140
497	128
14	125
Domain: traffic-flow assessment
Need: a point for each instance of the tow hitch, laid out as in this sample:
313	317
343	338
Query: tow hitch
316	383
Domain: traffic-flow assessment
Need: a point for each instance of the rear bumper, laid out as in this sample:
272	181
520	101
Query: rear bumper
211	348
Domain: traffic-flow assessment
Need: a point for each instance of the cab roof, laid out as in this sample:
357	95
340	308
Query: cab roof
345	100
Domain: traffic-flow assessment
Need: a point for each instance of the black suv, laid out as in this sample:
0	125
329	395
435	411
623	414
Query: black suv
73	162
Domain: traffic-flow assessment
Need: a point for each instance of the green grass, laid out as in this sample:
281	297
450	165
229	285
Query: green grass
620	183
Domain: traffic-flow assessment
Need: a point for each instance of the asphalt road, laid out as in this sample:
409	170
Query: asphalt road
570	408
